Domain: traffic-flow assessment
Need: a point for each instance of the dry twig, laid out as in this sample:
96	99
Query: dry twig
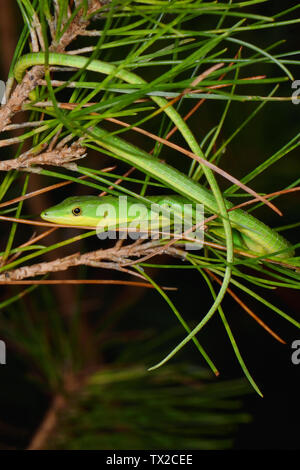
57	157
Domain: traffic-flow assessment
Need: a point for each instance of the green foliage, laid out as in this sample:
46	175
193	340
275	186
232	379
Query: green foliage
151	52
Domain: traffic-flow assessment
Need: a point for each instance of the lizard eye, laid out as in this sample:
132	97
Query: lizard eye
76	211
